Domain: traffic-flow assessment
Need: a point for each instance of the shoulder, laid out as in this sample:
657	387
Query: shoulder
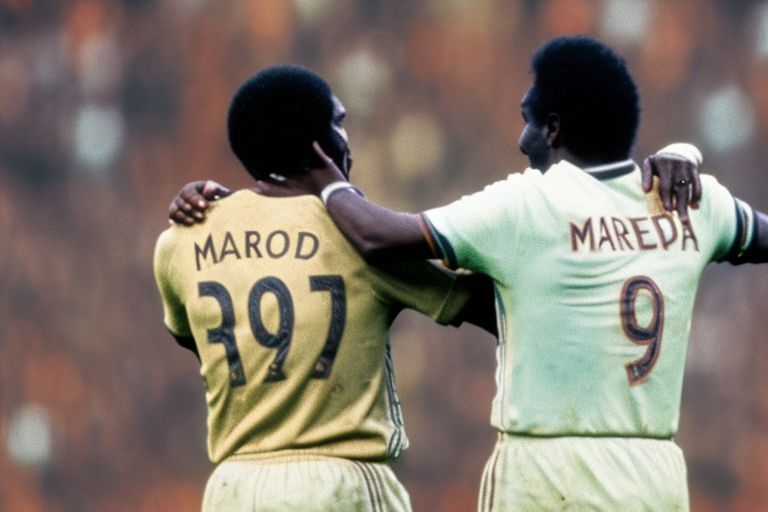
249	204
718	207
708	180
526	177
714	193
479	207
165	246
167	240
504	188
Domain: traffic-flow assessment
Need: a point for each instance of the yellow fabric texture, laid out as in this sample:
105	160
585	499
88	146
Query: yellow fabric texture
292	327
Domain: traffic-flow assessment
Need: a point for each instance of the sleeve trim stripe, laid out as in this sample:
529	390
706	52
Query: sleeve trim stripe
426	233
746	231
440	246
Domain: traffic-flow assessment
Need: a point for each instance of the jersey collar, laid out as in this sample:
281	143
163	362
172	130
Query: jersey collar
612	170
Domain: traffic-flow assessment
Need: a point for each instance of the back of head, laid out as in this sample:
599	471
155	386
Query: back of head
274	117
589	86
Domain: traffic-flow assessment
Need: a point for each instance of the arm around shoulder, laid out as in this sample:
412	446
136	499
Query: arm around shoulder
379	234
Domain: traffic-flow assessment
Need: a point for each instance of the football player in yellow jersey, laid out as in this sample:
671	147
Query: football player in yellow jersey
291	325
595	289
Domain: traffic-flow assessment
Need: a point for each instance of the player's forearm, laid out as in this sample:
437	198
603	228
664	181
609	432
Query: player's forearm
380	235
480	310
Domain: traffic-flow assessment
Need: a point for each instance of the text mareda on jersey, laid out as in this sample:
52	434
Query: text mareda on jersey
252	244
632	234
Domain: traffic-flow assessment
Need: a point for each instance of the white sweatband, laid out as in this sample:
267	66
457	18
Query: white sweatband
683	150
334	187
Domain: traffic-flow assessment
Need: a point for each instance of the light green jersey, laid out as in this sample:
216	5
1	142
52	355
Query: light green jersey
595	290
292	327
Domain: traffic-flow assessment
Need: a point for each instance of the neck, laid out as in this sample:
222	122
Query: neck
277	185
564	154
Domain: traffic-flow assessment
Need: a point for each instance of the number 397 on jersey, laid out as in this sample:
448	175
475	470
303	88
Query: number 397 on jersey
280	340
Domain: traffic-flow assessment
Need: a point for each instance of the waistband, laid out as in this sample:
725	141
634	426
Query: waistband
293	456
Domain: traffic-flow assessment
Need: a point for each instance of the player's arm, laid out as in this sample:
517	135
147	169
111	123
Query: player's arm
445	296
379	234
174	311
752	241
383	235
480	310
758	252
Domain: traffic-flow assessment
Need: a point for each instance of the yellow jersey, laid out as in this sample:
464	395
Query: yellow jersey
291	326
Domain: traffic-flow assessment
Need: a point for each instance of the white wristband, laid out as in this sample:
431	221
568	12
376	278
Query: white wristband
334	187
683	150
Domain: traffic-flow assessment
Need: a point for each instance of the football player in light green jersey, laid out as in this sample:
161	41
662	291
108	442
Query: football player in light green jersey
291	325
595	285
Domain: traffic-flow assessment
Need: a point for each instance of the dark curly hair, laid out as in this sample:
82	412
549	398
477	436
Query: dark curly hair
274	117
589	86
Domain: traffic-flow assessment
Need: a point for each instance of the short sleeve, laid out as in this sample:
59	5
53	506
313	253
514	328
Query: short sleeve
477	232
724	218
746	233
174	311
424	287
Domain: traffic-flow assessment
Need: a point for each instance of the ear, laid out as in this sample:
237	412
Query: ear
554	134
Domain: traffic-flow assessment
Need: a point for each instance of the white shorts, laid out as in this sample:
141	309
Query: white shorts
304	484
584	473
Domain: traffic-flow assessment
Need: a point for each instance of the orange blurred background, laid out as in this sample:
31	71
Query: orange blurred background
108	106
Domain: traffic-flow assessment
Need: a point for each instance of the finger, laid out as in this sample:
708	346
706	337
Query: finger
194	191
173	211
264	187
182	204
330	165
194	199
665	190
177	207
186	208
325	158
647	175
179	217
185	219
191	212
682	194
696	188
214	190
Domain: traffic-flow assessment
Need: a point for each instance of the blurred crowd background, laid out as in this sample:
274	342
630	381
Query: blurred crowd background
108	106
